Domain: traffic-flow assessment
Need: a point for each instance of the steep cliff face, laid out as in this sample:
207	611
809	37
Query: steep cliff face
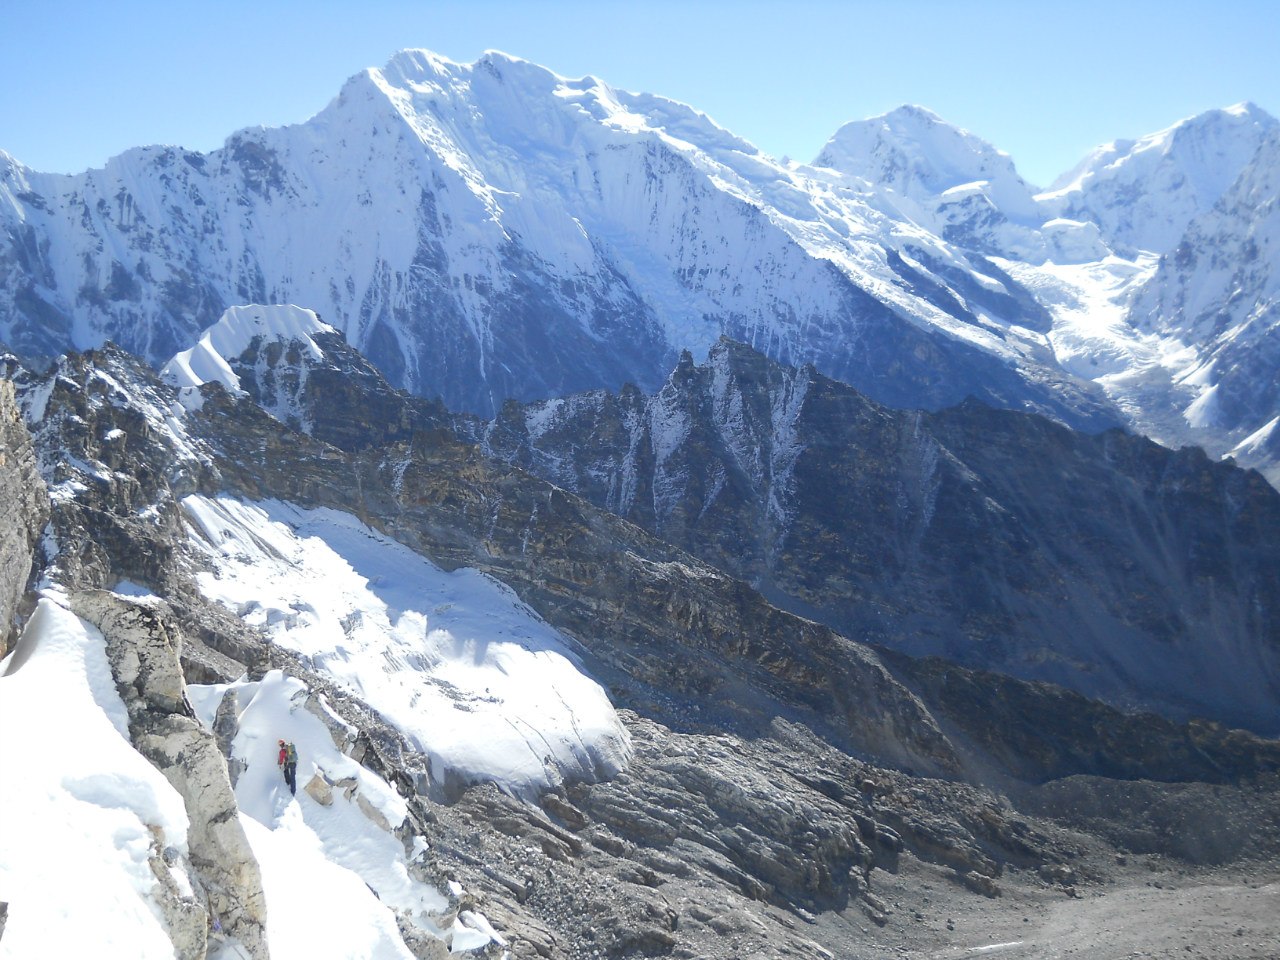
993	538
25	511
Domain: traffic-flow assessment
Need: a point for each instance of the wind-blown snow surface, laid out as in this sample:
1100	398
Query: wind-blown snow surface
454	660
81	811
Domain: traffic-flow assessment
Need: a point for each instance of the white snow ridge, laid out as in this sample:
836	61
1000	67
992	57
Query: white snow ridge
235	330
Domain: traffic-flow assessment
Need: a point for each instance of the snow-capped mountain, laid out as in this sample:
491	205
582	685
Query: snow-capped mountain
492	230
1183	349
1142	194
963	189
1217	293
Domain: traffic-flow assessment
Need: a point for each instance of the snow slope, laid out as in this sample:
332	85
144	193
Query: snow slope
83	812
333	859
468	673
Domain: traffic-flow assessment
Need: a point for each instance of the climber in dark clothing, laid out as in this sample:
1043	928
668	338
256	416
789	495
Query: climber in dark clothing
288	762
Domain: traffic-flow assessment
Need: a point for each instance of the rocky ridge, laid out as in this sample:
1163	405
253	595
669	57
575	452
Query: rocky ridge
25	514
992	538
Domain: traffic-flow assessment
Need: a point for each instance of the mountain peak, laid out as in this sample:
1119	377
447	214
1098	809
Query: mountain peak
235	330
911	113
917	153
1142	193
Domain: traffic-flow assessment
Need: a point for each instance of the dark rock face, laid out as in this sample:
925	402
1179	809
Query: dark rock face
24	512
998	540
284	380
1039	732
113	456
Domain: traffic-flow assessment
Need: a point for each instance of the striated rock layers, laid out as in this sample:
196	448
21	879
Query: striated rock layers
995	539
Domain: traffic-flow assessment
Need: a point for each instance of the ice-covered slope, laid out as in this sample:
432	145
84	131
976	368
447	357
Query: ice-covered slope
101	867
1143	193
959	186
468	673
491	230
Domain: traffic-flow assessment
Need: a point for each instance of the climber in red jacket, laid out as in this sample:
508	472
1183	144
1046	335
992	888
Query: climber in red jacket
288	761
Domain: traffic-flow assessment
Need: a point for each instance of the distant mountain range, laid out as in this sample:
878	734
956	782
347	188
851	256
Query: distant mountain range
492	230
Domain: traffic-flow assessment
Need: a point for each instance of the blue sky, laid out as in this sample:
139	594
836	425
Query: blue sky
85	80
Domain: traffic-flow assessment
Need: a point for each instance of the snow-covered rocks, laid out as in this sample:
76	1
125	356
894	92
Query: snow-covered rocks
142	650
236	329
88	820
345	859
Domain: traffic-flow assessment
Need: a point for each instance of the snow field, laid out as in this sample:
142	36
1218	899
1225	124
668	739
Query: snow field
81	812
471	676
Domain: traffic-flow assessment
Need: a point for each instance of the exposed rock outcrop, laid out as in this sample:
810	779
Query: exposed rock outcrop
24	513
999	540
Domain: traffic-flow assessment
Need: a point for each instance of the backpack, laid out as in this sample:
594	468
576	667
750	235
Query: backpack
291	754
